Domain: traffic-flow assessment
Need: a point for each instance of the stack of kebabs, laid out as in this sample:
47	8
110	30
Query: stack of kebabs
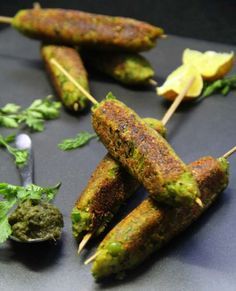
137	151
109	44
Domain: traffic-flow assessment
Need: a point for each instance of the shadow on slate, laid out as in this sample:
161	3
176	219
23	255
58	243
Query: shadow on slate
36	64
37	256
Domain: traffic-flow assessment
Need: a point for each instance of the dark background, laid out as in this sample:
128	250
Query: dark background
202	19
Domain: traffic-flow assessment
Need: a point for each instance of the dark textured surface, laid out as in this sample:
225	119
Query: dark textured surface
210	20
203	258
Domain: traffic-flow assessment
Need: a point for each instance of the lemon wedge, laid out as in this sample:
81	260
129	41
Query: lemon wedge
177	80
210	64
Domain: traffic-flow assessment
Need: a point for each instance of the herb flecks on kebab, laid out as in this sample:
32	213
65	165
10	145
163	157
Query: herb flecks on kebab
69	58
179	189
71	27
152	225
107	190
127	68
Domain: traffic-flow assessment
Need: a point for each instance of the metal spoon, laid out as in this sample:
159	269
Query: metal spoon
23	142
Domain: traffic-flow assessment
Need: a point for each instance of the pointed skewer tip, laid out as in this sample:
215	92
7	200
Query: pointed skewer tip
36	5
199	202
164	36
83	242
92	258
152	82
229	153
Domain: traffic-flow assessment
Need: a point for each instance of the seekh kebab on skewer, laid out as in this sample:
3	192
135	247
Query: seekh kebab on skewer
107	190
71	27
71	97
126	68
152	225
141	150
144	153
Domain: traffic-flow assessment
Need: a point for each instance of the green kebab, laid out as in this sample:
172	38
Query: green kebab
141	150
71	97
107	190
152	225
144	153
72	27
126	68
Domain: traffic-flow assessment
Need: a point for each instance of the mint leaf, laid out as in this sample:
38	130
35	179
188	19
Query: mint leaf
79	141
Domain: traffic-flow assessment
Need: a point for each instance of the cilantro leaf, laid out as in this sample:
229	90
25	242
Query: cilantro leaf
110	96
5	229
47	108
36	124
34	116
10	108
80	140
20	156
8	121
8	115
39	111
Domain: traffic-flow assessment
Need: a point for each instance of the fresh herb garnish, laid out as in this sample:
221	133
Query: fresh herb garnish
110	96
222	85
34	116
39	111
79	141
9	115
12	195
20	156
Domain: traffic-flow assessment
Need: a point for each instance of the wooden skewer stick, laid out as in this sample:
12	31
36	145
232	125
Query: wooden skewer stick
5	19
172	108
164	36
170	113
229	153
166	117
36	5
152	82
77	85
92	258
176	102
199	202
84	241
226	156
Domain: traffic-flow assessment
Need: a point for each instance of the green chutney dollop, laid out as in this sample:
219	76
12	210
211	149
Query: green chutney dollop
35	219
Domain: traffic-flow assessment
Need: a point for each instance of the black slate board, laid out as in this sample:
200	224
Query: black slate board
203	258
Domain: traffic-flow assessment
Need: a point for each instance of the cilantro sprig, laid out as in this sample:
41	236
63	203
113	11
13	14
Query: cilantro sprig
12	195
80	140
34	117
9	115
224	86
20	156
